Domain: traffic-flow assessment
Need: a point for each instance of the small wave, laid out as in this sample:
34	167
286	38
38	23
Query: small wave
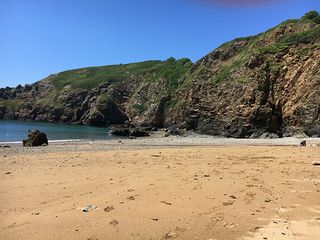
15	142
66	140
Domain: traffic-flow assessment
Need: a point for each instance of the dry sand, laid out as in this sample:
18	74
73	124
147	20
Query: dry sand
160	191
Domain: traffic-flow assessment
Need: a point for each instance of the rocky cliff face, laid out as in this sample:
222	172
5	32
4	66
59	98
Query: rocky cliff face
98	96
267	84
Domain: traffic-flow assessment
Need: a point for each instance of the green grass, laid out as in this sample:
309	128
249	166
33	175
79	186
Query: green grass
139	108
225	72
10	103
88	78
305	37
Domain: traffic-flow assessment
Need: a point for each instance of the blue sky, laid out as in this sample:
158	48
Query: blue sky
41	37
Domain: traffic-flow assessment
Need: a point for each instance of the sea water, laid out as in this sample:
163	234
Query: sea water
16	131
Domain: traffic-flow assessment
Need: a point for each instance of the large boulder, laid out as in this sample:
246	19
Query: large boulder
35	139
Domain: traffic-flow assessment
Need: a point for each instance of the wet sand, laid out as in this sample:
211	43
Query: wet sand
160	191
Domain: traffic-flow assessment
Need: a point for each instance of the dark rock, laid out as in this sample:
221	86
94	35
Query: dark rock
130	132
2	111
120	131
35	139
192	122
176	131
105	112
303	143
269	135
139	132
254	62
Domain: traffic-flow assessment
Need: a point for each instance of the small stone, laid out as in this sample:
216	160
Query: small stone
114	222
131	198
171	235
229	203
316	163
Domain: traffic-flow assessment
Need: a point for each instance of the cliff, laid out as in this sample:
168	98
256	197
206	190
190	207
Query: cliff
263	85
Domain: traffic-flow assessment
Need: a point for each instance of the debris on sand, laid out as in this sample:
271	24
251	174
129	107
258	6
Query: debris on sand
167	203
316	163
88	208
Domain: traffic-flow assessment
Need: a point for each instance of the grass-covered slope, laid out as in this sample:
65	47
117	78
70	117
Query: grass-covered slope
89	78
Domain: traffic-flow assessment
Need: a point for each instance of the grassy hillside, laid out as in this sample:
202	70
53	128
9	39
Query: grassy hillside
88	78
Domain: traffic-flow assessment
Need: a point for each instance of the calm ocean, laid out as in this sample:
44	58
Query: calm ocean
15	131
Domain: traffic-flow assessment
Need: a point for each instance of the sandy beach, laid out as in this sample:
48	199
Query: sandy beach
162	188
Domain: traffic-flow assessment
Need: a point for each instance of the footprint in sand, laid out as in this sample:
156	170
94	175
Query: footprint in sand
108	209
228	203
175	233
114	222
92	238
218	217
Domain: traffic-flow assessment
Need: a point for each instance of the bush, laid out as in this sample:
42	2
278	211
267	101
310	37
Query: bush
311	15
317	20
171	59
303	37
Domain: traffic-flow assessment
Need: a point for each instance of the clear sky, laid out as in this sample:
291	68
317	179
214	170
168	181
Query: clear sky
41	37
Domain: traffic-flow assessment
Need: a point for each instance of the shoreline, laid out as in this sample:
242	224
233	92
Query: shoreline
176	141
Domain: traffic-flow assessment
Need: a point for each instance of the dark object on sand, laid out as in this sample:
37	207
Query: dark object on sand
5	146
130	132
303	144
88	208
120	131
316	163
35	139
